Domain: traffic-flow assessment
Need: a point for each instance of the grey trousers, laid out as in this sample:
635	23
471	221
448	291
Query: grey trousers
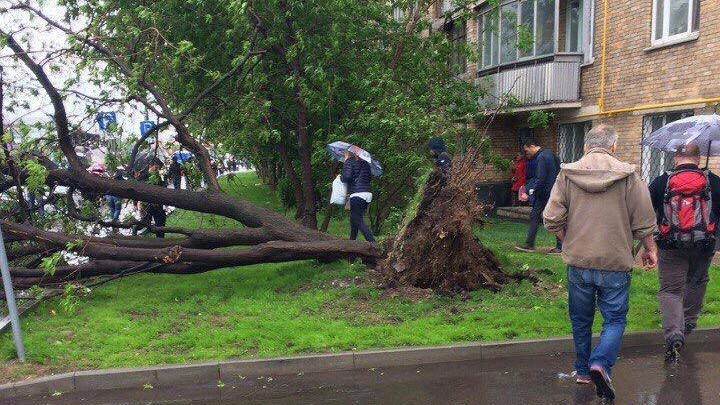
683	280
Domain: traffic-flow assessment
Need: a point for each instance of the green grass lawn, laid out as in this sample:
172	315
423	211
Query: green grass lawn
302	307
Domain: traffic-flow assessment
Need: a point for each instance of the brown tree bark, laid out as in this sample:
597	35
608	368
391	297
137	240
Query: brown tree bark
294	180
305	151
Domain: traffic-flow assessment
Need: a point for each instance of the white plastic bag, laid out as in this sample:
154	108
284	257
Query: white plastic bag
339	192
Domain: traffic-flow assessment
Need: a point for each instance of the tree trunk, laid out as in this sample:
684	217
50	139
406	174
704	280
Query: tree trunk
308	184
438	249
328	217
294	181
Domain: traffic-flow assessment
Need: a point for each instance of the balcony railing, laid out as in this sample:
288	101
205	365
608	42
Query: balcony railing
548	80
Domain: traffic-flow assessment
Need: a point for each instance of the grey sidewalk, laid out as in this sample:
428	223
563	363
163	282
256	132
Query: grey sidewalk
641	378
214	378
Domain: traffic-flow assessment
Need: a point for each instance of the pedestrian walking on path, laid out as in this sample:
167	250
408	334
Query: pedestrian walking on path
542	170
597	206
687	203
357	175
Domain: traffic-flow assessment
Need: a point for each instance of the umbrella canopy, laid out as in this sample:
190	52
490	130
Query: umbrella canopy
142	161
337	151
182	156
702	130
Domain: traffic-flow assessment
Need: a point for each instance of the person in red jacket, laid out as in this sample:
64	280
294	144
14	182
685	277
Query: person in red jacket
518	169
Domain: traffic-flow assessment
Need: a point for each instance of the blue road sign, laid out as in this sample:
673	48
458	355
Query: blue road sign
145	127
104	119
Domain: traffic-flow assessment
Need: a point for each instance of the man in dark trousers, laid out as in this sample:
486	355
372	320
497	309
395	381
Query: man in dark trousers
152	212
687	204
546	168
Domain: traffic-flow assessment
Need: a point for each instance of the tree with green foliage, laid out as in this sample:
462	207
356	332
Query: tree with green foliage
272	81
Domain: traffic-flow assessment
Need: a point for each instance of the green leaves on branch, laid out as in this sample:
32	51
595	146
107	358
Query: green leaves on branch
49	264
37	176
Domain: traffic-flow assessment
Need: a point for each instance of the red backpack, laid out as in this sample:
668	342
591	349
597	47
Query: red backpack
687	207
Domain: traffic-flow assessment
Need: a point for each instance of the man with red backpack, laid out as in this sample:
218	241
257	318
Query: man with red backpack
687	204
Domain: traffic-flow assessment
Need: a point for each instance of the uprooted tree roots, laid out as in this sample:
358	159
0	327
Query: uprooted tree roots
438	249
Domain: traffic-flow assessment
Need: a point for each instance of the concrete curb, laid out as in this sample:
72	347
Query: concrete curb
214	371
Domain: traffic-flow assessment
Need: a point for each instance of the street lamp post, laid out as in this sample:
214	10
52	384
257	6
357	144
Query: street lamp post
5	267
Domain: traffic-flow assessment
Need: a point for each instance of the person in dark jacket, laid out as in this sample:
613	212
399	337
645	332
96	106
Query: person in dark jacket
683	271
543	168
175	173
357	175
443	160
153	212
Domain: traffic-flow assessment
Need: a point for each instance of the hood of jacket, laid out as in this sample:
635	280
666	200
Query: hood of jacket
597	170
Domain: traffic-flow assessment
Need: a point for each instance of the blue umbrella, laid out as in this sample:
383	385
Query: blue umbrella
182	156
337	151
702	130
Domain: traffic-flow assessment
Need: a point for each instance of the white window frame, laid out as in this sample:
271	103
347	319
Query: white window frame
588	31
498	35
481	23
581	26
666	37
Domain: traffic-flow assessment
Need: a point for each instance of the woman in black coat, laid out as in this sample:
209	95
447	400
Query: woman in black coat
356	174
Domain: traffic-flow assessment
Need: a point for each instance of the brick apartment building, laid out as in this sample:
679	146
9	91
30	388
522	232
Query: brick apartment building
634	64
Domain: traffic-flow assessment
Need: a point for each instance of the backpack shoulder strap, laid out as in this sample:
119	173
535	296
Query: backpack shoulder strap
670	174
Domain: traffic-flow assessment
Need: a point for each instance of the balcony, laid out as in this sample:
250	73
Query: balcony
549	82
531	52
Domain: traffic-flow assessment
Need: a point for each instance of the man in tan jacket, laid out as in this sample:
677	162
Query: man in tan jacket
597	207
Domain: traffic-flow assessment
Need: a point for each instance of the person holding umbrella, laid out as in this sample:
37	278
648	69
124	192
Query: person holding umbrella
687	204
359	167
357	175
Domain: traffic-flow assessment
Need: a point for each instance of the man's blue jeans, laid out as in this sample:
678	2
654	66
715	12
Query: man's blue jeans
611	290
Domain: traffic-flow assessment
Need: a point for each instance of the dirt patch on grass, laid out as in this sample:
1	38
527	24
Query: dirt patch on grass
411	293
17	371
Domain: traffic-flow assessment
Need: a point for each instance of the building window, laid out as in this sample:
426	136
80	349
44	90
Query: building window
571	141
517	30
655	162
574	26
457	31
674	20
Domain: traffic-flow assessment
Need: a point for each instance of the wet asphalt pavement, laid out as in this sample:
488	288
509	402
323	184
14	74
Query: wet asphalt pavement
640	378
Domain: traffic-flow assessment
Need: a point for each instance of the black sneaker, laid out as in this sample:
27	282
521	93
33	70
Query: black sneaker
672	349
525	248
603	383
690	327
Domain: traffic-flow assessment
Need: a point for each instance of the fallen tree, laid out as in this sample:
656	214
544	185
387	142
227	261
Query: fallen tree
267	235
437	249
